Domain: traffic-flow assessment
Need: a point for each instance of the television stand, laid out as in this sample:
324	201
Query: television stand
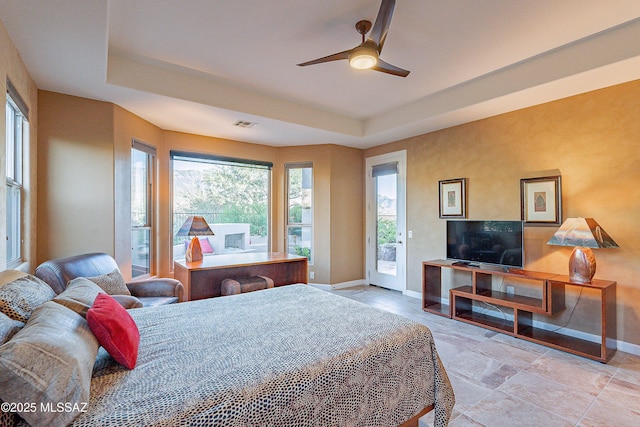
525	304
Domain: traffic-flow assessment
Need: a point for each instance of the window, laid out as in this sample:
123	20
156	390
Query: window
300	209
17	133
231	194
142	170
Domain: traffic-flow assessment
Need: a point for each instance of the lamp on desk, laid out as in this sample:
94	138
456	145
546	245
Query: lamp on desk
582	234
194	226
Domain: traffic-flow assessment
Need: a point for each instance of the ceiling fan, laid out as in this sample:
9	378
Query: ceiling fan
367	54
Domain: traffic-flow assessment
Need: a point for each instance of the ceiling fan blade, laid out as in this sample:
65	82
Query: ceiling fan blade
381	26
334	57
390	69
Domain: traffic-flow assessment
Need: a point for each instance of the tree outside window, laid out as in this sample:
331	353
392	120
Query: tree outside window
231	194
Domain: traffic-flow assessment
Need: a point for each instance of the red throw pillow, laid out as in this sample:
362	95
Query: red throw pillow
115	330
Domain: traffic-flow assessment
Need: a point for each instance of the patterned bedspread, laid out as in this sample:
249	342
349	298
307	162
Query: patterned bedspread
288	356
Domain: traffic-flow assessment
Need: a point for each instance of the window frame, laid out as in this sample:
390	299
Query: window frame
17	136
288	224
149	224
187	156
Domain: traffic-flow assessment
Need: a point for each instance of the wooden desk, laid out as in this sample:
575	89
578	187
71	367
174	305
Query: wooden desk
203	279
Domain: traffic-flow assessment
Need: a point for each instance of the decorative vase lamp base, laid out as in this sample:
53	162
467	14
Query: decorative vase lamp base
582	265
194	226
194	251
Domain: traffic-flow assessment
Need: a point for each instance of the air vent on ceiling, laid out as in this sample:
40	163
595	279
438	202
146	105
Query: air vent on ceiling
244	124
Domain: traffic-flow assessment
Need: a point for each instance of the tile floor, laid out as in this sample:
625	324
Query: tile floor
504	381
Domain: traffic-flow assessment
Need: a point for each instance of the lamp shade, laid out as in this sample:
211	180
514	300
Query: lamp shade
195	226
582	232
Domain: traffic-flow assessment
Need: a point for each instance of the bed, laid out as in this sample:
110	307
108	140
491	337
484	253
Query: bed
288	356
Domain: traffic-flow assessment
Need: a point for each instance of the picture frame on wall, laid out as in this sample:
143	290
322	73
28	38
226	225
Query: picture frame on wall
453	198
541	200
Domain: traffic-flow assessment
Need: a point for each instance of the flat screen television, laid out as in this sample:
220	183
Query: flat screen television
488	242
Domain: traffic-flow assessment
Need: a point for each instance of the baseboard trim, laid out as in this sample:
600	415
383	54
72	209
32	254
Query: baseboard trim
348	284
413	294
628	347
341	285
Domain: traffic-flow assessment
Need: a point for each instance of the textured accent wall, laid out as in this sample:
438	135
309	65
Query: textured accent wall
593	139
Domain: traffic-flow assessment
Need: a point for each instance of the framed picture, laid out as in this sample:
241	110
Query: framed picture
541	200
453	198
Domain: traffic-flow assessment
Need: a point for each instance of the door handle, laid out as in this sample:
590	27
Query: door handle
399	242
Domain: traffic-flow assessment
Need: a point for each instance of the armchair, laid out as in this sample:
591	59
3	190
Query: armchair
150	292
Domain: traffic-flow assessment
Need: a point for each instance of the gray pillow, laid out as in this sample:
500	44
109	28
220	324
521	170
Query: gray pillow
112	283
79	295
21	296
8	328
49	361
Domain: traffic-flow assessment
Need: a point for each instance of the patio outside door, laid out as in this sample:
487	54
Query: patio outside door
386	246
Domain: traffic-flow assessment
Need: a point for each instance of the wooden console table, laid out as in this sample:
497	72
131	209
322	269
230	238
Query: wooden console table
203	279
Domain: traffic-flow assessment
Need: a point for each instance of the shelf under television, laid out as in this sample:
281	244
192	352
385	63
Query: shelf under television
534	305
562	342
490	322
438	308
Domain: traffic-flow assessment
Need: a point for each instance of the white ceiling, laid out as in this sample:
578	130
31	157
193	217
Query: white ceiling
199	66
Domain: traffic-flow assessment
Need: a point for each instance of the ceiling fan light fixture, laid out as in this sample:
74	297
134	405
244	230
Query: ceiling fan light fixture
363	58
367	54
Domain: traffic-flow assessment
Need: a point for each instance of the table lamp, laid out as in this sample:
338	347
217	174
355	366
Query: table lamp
194	226
582	234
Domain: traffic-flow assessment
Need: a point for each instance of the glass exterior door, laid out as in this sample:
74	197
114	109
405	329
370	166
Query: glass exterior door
386	223
386	253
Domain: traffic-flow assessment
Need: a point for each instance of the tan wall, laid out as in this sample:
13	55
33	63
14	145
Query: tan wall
85	199
12	68
337	210
347	220
85	181
75	176
128	126
593	140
